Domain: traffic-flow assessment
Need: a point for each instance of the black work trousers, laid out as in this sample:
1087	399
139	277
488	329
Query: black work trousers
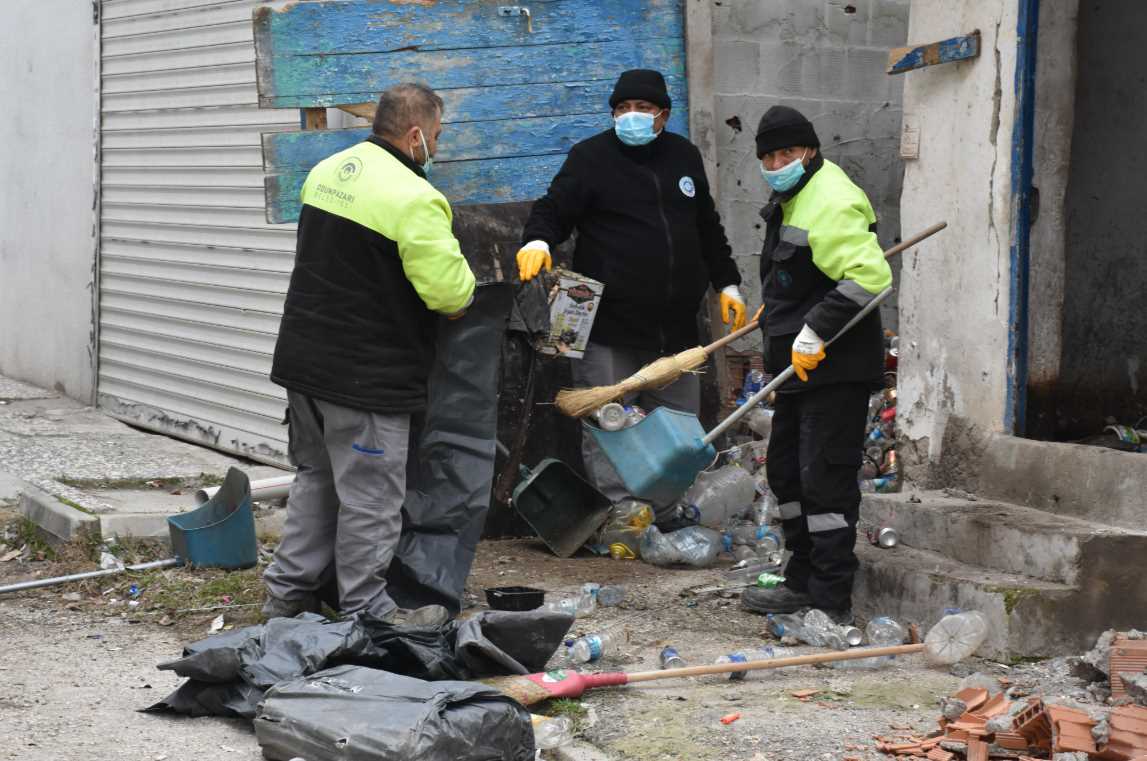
814	455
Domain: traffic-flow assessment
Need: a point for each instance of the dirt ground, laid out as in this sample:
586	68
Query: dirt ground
76	667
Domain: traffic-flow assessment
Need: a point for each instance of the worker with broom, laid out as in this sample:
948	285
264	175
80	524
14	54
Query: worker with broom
647	227
377	264
820	265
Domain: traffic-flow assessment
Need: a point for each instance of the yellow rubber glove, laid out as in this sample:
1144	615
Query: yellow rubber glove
808	351
531	257
731	301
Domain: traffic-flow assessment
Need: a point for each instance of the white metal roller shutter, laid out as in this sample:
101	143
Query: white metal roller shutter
191	276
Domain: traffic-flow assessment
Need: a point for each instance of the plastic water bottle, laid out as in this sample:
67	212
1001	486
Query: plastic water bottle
821	631
552	731
721	494
611	595
692	545
956	637
755	655
591	647
760	422
884	632
671	659
786	624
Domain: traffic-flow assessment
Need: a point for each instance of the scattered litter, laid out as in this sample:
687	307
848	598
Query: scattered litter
671	659
71	597
728	719
552	731
12	554
109	561
804	694
216	624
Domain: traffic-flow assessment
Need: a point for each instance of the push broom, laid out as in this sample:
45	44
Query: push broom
579	402
946	643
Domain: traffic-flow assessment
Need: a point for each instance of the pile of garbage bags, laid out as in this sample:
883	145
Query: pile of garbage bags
365	689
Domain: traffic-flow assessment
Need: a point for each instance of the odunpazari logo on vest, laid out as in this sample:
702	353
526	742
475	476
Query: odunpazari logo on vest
350	169
687	186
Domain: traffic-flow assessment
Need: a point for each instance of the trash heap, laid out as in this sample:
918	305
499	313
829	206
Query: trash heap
880	471
980	722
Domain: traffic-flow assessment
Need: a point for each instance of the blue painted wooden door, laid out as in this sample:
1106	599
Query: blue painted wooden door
518	93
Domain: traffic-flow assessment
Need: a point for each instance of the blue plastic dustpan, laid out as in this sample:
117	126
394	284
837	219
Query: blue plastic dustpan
220	533
659	458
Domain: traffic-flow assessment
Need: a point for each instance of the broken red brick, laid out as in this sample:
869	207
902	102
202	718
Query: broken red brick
939	754
1034	724
977	750
1126	655
972	697
804	694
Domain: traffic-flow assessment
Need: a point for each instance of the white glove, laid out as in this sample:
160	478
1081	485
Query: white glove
808	342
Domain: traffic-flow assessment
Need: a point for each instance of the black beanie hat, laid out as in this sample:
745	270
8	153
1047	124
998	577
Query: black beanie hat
784	127
640	84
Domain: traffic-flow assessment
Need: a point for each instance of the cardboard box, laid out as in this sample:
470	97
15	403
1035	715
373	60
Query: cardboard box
574	301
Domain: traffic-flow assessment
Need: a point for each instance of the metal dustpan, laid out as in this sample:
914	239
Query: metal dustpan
563	508
220	533
659	457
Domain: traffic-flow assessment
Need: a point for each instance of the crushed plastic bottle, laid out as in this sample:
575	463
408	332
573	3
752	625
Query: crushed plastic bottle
760	421
785	624
956	637
591	647
821	631
720	495
765	653
611	595
671	659
766	510
552	731
693	545
882	632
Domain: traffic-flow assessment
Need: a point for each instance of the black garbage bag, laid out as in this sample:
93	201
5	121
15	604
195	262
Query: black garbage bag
352	712
228	673
491	643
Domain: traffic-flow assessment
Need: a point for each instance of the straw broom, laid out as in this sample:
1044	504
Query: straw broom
579	402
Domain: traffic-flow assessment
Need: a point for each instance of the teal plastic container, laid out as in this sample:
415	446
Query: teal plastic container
220	533
659	458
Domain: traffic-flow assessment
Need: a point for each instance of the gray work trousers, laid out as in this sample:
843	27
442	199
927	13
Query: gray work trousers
605	365
344	508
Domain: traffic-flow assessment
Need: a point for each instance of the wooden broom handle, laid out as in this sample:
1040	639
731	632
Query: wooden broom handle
887	254
776	663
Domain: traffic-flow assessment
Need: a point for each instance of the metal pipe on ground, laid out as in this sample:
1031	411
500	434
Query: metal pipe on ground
267	488
37	583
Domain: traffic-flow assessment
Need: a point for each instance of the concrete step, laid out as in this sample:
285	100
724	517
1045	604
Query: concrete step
1001	536
1087	482
917	585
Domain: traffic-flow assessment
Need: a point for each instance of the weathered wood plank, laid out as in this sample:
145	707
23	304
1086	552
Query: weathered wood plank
953	49
319	80
509	139
470	104
463	182
339	28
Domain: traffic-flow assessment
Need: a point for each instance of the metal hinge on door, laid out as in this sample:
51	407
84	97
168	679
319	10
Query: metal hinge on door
518	10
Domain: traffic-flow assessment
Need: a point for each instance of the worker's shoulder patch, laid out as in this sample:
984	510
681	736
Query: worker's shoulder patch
687	186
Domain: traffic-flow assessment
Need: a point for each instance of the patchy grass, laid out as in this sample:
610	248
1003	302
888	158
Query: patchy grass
567	707
140	484
74	505
26	532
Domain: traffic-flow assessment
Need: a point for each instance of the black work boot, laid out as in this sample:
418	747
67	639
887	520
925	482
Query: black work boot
779	599
277	607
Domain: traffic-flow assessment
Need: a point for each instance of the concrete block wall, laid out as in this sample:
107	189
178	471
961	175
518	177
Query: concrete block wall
827	59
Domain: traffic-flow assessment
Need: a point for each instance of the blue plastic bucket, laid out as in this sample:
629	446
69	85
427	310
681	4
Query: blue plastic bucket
220	533
659	458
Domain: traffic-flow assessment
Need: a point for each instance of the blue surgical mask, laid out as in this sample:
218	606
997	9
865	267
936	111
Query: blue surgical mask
425	152
786	177
635	128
